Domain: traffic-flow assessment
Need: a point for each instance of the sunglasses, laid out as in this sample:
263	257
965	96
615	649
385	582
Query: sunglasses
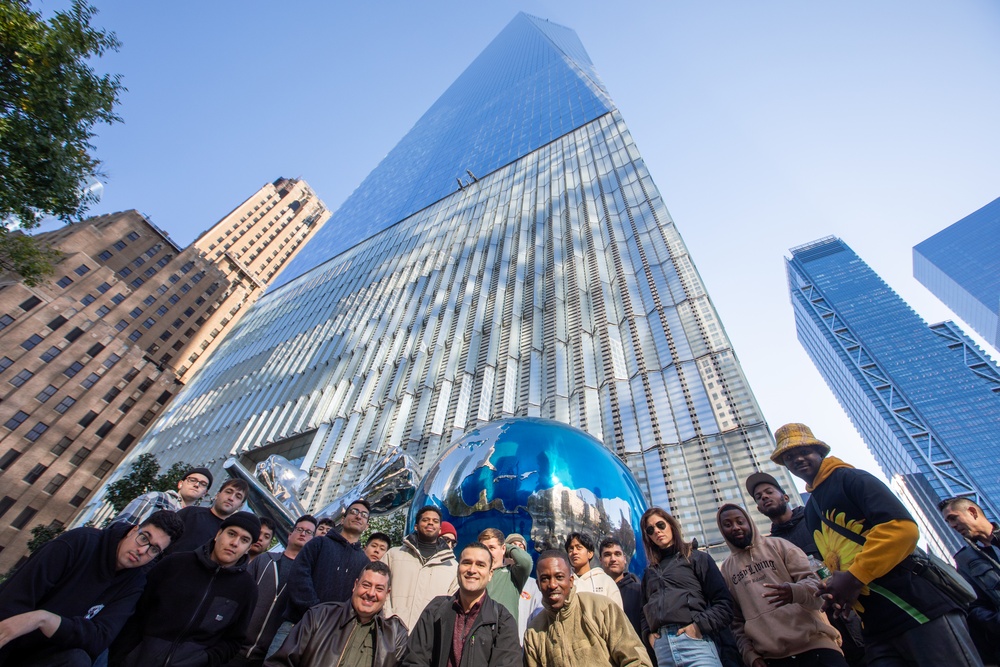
653	527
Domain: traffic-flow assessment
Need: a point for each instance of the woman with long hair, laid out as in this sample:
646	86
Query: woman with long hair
686	603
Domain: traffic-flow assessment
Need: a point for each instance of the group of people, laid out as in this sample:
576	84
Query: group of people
834	584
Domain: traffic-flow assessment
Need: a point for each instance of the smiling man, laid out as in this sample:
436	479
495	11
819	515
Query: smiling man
69	601
196	605
866	537
577	628
202	523
469	628
348	633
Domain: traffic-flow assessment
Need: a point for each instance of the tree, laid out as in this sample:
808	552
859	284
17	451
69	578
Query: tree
142	478
50	100
392	525
41	534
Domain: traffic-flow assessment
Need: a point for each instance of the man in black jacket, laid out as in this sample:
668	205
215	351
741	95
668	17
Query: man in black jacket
197	604
786	522
467	629
69	601
348	633
615	563
202	523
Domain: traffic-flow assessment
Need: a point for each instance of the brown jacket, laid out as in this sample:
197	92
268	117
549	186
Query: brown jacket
320	638
590	629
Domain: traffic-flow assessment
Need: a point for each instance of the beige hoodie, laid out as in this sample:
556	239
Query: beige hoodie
763	630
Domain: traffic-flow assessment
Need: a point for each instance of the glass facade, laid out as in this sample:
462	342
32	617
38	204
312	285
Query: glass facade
961	266
555	284
924	398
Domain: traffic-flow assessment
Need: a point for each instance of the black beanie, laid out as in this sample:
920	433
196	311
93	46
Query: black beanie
245	520
200	471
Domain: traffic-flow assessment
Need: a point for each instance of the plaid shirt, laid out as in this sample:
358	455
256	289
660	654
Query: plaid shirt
139	509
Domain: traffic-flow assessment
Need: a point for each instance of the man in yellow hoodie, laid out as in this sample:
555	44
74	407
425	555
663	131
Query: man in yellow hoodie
866	537
778	622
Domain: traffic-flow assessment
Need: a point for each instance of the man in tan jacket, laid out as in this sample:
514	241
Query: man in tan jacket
577	628
422	569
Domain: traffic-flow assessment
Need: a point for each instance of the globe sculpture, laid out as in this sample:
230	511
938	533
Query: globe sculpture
541	478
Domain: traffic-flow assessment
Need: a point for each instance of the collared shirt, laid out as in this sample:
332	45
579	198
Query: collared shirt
464	622
360	648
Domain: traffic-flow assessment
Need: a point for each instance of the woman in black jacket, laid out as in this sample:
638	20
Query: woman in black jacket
686	604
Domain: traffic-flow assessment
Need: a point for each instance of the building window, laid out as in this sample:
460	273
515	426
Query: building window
23	518
50	354
133	236
126	442
81	270
135	312
150	272
147	417
111	360
16	420
88	299
162	289
111	395
75	333
131	375
32	341
64	282
36	431
103	469
80	496
187	267
125	272
90	381
46	394
5	363
165	335
122	325
135	335
56	322
119	245
103	287
6	321
6	504
174	298
145	384
174	278
54	484
185	288
137	283
104	255
30	303
95	349
161	311
149	300
7	459
149	322
127	405
102	311
35	473
65	405
87	419
152	251
139	261
189	312
73	369
80	456
105	429
61	446
117	298
21	378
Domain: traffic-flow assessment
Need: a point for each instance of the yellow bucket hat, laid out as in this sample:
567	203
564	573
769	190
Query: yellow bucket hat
790	436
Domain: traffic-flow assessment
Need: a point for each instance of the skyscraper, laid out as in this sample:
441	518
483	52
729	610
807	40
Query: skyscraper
924	398
961	266
510	256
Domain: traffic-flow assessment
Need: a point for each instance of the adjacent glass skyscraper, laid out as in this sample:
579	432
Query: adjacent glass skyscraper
511	256
961	266
925	399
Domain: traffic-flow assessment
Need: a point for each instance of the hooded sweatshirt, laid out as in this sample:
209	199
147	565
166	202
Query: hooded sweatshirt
893	599
763	630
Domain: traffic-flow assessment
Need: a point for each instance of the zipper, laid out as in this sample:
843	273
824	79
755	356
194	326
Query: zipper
340	660
270	610
173	647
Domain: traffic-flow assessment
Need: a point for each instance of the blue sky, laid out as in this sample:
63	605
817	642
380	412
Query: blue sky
765	125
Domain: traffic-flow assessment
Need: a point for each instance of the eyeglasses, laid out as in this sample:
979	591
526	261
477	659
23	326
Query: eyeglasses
653	527
197	482
300	529
142	539
451	542
356	512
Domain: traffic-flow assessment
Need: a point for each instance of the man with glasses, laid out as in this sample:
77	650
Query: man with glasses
325	570
270	572
191	488
67	603
202	523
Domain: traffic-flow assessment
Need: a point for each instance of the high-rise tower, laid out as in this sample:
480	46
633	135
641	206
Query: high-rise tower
924	398
510	256
961	266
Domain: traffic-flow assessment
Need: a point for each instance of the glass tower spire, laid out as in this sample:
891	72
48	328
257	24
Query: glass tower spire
511	256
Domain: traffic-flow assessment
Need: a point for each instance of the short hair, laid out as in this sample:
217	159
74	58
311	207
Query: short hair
957	503
378	536
489	534
608	542
267	523
326	521
378	567
168	522
583	539
429	508
558	554
238	484
477	545
361	501
305	518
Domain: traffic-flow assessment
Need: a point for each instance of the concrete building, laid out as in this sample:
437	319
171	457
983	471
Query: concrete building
89	358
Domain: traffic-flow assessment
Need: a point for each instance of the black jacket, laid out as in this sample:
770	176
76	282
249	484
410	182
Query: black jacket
73	576
980	567
324	571
796	531
200	527
272	597
193	613
493	641
320	638
631	589
682	590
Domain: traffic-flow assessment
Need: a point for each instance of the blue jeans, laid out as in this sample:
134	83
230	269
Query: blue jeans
673	650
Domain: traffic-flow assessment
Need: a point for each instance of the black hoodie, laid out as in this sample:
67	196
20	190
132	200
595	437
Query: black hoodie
193	613
74	576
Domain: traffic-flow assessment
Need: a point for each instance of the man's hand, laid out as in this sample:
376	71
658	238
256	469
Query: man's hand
691	631
653	636
22	624
840	592
779	595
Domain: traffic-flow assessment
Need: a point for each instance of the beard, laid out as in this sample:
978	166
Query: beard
742	542
776	512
